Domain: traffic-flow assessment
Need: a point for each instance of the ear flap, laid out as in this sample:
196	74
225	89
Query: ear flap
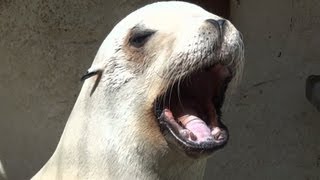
91	72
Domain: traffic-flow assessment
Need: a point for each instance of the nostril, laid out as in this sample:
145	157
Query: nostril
212	21
219	24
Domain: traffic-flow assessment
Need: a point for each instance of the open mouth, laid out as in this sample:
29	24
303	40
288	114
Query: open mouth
189	112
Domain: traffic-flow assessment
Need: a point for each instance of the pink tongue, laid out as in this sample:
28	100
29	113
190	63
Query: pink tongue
197	126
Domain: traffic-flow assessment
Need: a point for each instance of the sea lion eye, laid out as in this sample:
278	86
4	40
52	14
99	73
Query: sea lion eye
139	38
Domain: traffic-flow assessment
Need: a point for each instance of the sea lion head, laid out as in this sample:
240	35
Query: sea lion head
164	73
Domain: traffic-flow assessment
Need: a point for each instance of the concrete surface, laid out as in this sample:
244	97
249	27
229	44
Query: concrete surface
45	47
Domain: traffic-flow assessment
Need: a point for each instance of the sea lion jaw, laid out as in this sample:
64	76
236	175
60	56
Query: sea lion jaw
189	113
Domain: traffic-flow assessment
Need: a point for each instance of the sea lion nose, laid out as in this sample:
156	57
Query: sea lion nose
219	24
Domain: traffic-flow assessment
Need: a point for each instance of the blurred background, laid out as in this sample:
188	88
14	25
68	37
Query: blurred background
46	46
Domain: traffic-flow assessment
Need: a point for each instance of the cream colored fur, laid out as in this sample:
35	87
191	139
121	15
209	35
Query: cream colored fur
113	133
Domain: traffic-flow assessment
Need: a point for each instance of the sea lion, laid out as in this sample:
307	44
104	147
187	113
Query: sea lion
150	105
